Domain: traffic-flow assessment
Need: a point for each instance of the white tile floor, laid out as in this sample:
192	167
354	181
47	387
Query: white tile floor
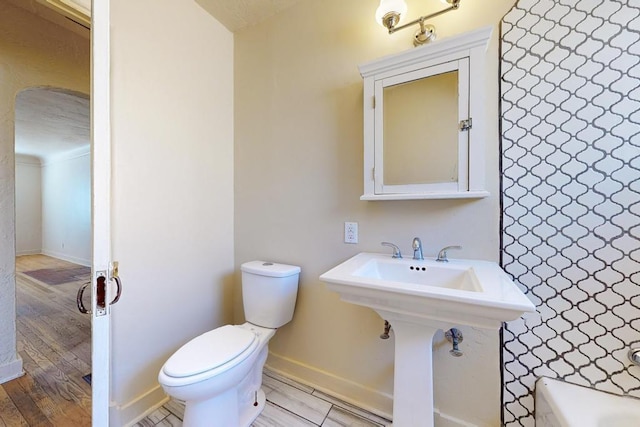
289	404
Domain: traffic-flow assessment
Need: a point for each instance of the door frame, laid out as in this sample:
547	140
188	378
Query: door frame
101	208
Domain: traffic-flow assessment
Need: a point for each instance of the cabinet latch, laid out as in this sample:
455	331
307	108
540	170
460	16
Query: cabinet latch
466	124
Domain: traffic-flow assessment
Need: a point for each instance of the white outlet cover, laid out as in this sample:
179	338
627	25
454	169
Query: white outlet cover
351	232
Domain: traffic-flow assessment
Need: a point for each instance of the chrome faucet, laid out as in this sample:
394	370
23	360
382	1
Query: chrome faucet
396	249
417	249
442	255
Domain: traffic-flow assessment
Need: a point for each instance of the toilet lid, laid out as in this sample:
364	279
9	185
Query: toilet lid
209	351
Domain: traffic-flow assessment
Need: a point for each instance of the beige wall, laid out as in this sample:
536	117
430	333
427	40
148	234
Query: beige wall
66	183
28	182
33	52
172	188
298	177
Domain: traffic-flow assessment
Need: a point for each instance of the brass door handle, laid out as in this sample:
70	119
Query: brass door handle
116	278
79	302
118	292
101	293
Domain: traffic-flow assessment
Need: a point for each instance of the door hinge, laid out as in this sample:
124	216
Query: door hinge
466	124
373	174
373	102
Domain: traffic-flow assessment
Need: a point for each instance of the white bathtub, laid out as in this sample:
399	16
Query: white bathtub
560	404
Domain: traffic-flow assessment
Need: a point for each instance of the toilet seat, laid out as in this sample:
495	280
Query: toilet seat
211	353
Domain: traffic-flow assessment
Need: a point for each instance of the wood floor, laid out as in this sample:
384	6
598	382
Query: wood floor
289	404
54	341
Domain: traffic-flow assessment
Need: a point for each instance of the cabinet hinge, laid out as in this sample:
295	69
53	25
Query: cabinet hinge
373	102
466	124
373	173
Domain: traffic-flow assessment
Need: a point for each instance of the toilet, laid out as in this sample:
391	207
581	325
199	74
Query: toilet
219	373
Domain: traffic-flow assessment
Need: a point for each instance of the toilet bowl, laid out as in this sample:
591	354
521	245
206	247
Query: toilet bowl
219	373
219	392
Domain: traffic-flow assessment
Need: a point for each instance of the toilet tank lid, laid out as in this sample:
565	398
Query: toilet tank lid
270	269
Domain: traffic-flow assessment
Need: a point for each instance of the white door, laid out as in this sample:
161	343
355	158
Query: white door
101	211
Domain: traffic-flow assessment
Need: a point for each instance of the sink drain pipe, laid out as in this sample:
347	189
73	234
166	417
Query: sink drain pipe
387	328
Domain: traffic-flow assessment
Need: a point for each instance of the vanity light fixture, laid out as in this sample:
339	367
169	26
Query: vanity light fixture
390	12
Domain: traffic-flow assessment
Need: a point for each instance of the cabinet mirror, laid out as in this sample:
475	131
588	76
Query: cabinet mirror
413	153
423	124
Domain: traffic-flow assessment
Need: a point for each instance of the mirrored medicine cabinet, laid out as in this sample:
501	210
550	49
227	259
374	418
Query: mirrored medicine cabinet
424	124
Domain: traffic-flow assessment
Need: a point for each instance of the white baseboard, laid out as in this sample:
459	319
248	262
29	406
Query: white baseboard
132	412
66	257
374	401
29	252
11	370
446	420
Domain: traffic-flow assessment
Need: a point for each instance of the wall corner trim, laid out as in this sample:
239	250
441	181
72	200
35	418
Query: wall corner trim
11	370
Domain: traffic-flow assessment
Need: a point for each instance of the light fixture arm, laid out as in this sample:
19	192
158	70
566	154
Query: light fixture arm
455	4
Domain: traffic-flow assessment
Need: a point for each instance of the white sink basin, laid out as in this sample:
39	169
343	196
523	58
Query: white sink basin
418	298
458	292
424	273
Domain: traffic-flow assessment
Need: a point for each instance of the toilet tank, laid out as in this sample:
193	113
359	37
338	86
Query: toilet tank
269	292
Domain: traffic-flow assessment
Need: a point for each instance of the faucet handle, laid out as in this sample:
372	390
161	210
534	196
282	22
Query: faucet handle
396	249
416	243
442	255
417	249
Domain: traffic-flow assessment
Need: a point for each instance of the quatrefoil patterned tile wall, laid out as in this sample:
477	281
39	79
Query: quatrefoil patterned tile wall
570	103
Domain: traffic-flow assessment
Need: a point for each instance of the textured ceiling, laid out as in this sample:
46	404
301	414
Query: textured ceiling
233	14
49	122
238	14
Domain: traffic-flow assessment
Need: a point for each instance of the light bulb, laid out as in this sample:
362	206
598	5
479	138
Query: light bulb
390	6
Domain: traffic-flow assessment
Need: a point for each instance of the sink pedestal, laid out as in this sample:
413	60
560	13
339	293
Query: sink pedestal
419	297
413	370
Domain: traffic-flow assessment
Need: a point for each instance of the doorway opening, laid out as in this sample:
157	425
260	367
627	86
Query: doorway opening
53	248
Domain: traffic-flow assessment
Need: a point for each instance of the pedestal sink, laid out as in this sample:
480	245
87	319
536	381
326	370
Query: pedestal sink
418	298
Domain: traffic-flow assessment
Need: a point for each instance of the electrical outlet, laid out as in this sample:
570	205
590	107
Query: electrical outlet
351	232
